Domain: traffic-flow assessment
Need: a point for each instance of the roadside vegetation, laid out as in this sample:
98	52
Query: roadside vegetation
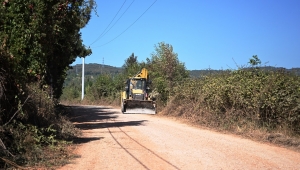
254	102
259	102
38	41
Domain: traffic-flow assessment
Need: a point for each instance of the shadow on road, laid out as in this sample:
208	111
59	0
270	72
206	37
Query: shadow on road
87	126
92	117
82	114
85	139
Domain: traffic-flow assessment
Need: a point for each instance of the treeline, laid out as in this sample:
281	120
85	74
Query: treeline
93	70
198	73
164	70
39	39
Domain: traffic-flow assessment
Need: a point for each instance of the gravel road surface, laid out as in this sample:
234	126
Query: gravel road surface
112	140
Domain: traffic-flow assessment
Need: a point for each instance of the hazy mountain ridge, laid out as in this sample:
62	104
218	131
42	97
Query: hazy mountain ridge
94	70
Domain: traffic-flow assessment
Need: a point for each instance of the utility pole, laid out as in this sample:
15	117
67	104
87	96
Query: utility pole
82	88
102	65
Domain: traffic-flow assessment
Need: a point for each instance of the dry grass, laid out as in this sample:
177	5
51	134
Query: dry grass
251	132
55	157
38	132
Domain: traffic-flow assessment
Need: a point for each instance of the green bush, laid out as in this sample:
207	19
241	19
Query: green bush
37	123
262	98
71	93
105	86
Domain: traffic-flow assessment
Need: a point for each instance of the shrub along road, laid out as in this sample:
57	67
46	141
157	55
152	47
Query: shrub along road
112	140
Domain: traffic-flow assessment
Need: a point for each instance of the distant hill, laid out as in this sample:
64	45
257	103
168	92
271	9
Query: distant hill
93	70
293	70
197	73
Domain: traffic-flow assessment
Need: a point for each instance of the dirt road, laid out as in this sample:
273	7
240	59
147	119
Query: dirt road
112	140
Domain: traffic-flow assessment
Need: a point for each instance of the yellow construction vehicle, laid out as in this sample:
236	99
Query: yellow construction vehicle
136	97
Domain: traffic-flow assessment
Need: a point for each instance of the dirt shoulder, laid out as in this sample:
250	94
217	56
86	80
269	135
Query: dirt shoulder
112	140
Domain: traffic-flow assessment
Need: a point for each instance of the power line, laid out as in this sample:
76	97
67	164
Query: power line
118	19
128	26
109	24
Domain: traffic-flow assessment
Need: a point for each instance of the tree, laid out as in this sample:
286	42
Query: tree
43	39
105	86
165	69
131	66
254	61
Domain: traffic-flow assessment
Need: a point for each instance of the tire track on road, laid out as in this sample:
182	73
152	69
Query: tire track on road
126	150
150	150
141	146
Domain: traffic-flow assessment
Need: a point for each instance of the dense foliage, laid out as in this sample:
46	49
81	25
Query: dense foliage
39	39
165	70
247	98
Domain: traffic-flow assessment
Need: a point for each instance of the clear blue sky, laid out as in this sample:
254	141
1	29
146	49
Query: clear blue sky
216	34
